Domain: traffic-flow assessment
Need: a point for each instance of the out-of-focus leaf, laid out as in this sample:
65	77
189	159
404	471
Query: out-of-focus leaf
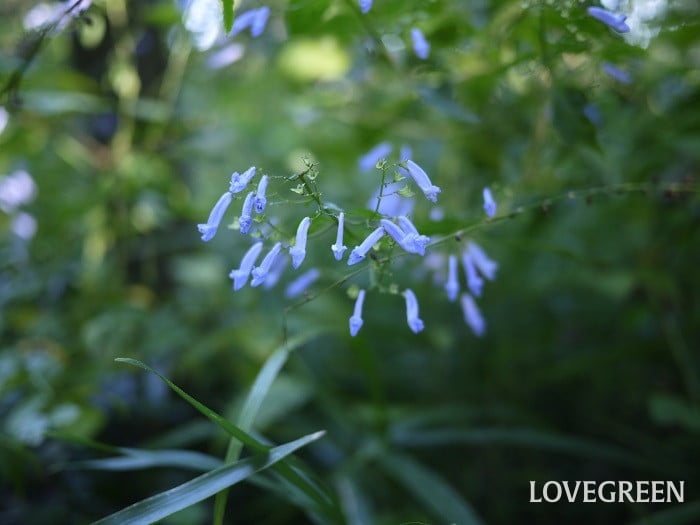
686	514
525	438
135	459
670	410
430	489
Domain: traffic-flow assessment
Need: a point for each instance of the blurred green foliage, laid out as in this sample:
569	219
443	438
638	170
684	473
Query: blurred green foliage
589	368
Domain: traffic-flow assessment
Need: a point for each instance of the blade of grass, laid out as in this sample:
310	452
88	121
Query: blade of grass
135	459
227	426
430	489
323	502
525	437
202	487
261	386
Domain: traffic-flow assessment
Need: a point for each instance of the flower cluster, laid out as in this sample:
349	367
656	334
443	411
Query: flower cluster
392	230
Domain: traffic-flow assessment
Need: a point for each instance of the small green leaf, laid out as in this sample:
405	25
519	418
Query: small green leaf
228	15
406	192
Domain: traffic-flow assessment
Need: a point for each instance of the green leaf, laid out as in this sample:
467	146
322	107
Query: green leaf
228	427
200	488
135	459
228	15
524	437
250	410
685	514
430	489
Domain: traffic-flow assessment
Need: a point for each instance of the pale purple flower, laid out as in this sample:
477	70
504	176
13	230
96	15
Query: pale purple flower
406	235
359	252
260	201
276	269
298	251
392	204
474	282
16	189
369	160
436	214
414	240
239	181
486	266
421	178
405	154
255	19
414	322
4	119
365	6
23	225
261	272
452	284
302	283
241	274
355	321
615	21
490	205
339	248
616	73
472	315
208	230
225	56
245	220
420	45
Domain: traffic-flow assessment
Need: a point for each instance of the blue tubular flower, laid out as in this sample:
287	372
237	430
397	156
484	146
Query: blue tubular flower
359	253
299	285
239	181
423	181
490	205
298	251
394	231
420	45
276	269
392	203
260	201
414	240
240	275
617	22
259	22
452	284
405	154
260	272
414	322
356	318
408	238
472	315
365	6
369	160
208	230
474	282
245	220
339	248
616	73
486	266
255	19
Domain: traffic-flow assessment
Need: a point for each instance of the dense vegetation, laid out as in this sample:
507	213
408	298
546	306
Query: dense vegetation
121	123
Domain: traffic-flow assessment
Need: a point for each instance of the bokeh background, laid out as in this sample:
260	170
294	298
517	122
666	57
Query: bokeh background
120	128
